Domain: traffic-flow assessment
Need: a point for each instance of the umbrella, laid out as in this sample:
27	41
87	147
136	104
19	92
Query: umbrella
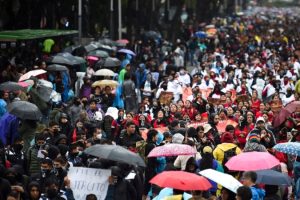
66	59
24	110
99	54
104	72
251	161
172	150
127	51
111	62
285	113
115	153
104	83
201	34
32	73
122	41
292	148
11	86
91	47
57	67
181	180
153	35
223	179
107	41
271	177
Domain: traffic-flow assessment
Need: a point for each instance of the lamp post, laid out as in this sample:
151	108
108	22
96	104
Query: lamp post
120	18
79	20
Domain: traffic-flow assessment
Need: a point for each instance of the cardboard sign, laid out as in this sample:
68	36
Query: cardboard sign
165	98
86	181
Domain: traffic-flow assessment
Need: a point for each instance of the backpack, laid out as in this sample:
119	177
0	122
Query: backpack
227	155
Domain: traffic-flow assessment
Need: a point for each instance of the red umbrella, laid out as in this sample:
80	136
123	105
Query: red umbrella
285	113
181	180
252	161
172	150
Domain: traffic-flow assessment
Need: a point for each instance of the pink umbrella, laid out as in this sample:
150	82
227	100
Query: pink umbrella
122	41
32	73
172	150
252	161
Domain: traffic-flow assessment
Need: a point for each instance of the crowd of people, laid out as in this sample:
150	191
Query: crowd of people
245	69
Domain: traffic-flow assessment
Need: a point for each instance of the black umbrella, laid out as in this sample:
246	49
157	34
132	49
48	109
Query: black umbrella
99	54
66	59
24	110
10	86
115	153
91	47
153	35
110	62
56	67
272	177
107	41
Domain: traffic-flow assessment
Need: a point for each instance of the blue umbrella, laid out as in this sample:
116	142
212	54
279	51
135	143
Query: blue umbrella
271	177
292	148
201	34
127	51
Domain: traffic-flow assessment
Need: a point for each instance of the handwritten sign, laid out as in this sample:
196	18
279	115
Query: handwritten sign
86	181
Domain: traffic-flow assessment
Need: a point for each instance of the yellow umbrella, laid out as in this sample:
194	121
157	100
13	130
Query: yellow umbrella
104	83
104	72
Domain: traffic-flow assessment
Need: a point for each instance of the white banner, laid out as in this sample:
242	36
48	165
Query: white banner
86	181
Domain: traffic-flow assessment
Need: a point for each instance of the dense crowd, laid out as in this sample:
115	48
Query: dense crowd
220	89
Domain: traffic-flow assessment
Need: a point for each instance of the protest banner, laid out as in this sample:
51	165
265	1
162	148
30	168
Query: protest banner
86	181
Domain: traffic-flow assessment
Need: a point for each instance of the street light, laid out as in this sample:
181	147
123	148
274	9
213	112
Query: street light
79	20
120	18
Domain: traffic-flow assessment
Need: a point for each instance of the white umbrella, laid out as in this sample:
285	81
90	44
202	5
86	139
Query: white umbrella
32	73
223	179
104	72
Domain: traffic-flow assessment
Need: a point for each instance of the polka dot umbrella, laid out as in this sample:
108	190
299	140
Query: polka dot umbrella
292	148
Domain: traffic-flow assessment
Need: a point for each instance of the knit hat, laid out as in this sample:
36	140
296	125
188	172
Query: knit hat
253	137
260	119
177	138
227	137
207	149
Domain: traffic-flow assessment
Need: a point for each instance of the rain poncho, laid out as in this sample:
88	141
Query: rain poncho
2	107
8	128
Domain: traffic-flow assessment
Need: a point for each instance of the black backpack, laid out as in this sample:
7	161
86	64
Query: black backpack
227	155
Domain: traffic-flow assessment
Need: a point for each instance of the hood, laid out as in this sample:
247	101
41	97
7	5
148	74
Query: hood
124	63
260	192
2	107
142	66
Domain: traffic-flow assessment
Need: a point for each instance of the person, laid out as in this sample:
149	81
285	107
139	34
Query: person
226	194
74	111
130	137
34	191
34	155
148	87
152	163
52	191
14	154
129	94
253	144
243	193
91	197
249	179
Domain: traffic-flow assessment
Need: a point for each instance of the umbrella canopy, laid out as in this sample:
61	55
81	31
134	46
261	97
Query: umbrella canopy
153	35
11	86
66	59
286	112
127	51
32	73
99	54
223	179
110	62
104	83
271	177
104	72
107	41
292	148
181	180
201	34
252	161
122	41
57	67
24	110
91	47
172	150
115	153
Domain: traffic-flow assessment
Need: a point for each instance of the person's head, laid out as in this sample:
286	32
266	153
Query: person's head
129	117
130	127
40	139
91	197
230	111
216	119
243	193
46	165
260	123
152	135
160	114
190	165
54	127
149	77
261	107
249	178
107	89
93	104
63	118
34	190
227	194
59	163
52	187
250	119
18	144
